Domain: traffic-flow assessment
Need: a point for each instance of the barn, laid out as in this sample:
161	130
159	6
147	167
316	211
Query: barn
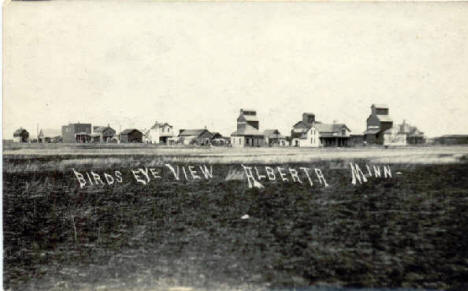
131	135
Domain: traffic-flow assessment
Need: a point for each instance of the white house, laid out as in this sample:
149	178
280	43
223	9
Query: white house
305	136
159	133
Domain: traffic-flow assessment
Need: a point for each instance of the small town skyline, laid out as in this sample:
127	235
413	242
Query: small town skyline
195	66
285	130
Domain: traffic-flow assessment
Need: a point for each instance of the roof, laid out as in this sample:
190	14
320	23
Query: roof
19	131
330	127
247	131
191	132
372	131
101	128
302	124
272	133
129	130
160	124
249	110
384	118
380	106
50	132
249	117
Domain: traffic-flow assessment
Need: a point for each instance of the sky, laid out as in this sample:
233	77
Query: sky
129	64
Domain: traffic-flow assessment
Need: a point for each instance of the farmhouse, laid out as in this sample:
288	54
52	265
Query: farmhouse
333	134
131	135
247	133
102	134
76	132
377	123
311	133
159	133
305	132
21	135
195	136
274	138
49	135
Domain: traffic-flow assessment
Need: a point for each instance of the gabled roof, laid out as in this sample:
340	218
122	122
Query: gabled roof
160	124
129	130
247	131
272	133
98	129
372	131
302	124
330	127
192	132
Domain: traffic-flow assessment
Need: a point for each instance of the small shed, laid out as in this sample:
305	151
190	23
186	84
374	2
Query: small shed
21	135
131	135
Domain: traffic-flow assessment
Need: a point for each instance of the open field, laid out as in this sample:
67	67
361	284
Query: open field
423	154
408	230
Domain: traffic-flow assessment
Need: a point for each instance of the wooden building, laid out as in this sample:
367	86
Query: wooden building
311	133
21	135
195	136
274	138
217	139
103	134
247	133
333	134
159	133
76	133
305	132
377	123
131	135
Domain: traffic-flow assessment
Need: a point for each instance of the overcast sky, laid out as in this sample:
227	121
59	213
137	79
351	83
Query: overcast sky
197	64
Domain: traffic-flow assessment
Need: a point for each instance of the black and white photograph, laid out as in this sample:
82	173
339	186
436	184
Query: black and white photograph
234	145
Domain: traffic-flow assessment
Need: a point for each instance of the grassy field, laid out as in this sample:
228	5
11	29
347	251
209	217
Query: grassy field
408	230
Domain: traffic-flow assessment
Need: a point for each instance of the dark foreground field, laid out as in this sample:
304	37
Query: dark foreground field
410	230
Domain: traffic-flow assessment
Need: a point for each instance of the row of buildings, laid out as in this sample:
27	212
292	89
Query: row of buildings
307	132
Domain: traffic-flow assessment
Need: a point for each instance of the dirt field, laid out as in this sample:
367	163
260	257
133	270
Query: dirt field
405	230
